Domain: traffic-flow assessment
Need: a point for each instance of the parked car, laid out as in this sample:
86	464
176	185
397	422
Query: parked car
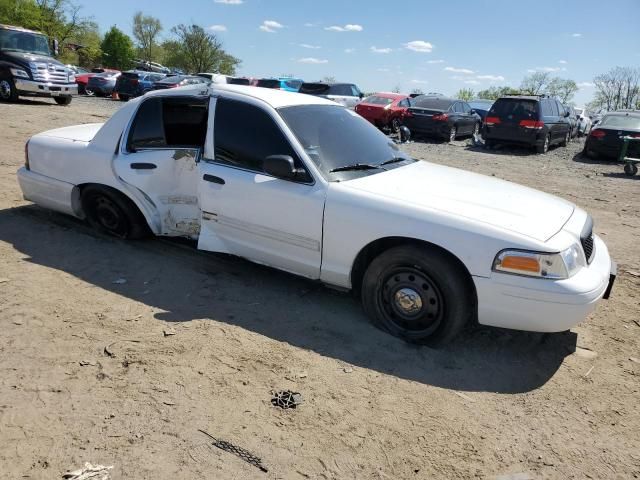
605	139
77	70
146	66
290	84
135	83
238	81
82	80
266	83
214	77
102	84
533	121
28	68
427	247
573	120
481	107
384	110
179	81
346	94
584	122
441	117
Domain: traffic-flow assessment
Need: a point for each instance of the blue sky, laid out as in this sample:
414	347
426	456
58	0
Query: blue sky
435	46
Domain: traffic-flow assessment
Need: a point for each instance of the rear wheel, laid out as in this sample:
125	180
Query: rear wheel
418	294
108	211
123	98
8	92
63	100
630	169
566	139
89	92
476	129
544	146
453	133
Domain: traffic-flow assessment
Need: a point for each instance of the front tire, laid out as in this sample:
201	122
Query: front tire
108	211
418	294
63	100
8	91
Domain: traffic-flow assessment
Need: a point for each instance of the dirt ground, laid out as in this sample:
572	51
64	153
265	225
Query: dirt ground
118	353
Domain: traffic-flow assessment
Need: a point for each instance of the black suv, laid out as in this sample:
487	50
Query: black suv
531	120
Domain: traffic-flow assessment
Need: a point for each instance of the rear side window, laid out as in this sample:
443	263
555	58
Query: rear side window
466	108
341	90
170	123
245	135
354	91
404	103
457	107
515	109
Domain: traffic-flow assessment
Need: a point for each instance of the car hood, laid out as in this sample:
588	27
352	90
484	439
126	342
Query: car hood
488	200
78	133
25	58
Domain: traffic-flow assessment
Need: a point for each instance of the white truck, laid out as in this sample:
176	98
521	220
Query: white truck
305	185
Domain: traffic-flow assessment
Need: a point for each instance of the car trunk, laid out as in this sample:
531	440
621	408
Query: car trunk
512	118
421	119
127	84
612	141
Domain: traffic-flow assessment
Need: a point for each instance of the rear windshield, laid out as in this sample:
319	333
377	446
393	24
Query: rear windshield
314	88
268	83
238	81
376	100
435	103
621	122
516	109
294	84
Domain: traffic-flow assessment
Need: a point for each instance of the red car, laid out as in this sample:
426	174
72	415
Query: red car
83	79
384	110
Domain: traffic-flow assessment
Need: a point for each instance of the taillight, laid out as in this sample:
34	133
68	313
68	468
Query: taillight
635	135
535	124
134	81
492	121
26	155
598	133
440	117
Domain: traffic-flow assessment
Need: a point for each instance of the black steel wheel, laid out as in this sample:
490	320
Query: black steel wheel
418	294
8	92
108	211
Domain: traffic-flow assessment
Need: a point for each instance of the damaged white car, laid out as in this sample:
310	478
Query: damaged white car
307	186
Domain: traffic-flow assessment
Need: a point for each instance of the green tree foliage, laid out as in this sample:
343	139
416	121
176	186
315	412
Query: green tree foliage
536	83
562	88
493	93
117	49
617	89
465	94
195	50
146	30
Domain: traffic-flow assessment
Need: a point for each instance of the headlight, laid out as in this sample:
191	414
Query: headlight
71	77
555	266
18	72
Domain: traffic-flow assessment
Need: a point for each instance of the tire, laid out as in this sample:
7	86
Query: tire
453	133
407	278
587	152
630	169
110	212
63	100
395	125
8	92
123	98
566	139
544	148
88	92
476	130
489	144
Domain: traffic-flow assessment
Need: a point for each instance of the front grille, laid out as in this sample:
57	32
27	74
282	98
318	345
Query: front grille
586	240
49	72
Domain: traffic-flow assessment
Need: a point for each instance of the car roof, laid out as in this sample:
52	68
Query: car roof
392	95
521	97
332	84
624	113
273	97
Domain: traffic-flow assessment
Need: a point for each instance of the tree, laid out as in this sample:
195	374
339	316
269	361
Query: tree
465	94
493	93
536	83
196	50
396	89
329	79
117	49
618	88
146	30
561	88
417	91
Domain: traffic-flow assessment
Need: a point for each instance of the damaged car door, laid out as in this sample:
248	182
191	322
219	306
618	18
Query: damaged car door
158	159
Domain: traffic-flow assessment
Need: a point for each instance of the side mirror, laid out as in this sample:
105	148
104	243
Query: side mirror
280	166
566	114
472	112
361	95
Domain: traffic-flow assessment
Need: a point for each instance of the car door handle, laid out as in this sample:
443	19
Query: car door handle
143	166
213	179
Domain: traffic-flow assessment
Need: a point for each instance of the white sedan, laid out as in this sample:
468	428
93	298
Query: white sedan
304	185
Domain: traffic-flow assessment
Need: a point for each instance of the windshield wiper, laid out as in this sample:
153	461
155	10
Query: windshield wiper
356	166
396	160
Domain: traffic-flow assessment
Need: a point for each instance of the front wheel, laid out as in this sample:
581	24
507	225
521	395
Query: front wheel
8	91
395	125
418	294
63	100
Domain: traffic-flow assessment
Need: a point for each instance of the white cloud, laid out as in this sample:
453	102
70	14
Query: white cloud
435	61
347	28
312	47
313	61
563	62
382	69
419	82
576	35
586	85
472	82
271	26
218	28
546	69
466	71
492	78
419	46
229	2
349	50
381	50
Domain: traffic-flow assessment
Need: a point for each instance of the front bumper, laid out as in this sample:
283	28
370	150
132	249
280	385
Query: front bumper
540	305
45	89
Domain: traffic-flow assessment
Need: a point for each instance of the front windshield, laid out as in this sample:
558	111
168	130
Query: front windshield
26	42
336	137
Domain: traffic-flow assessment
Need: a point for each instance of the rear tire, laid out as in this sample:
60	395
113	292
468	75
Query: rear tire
544	148
566	140
63	100
110	212
630	169
418	294
453	133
